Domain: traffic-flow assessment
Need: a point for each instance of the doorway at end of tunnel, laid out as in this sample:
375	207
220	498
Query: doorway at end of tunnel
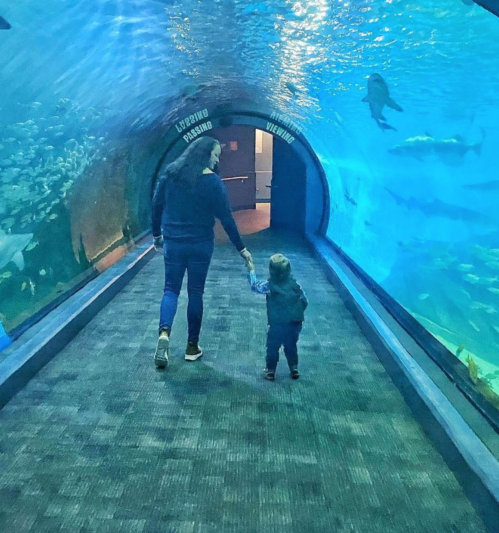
264	177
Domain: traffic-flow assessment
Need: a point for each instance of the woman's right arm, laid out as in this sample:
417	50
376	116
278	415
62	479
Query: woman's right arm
224	213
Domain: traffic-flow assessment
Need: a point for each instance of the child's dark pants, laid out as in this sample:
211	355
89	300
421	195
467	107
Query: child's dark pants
286	335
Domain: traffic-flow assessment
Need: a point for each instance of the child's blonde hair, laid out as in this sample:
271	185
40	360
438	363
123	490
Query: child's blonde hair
279	268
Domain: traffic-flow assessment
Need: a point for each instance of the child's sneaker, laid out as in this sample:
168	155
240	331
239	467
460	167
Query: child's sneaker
193	351
162	350
269	374
294	373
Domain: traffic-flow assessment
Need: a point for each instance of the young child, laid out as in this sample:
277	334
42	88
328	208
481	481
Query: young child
286	303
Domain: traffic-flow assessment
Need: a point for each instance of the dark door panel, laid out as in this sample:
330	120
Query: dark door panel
241	191
288	189
237	164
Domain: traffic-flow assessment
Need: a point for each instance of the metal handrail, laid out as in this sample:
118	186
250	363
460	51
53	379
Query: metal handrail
236	178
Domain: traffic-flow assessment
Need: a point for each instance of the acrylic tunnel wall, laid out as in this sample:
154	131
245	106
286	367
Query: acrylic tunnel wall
91	91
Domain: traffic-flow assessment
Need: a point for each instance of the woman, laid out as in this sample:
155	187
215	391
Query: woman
187	199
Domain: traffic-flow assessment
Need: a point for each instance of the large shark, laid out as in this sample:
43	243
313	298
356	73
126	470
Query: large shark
377	97
11	248
450	151
489	5
4	25
492	185
438	208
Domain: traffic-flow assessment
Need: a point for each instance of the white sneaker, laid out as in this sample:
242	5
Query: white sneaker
162	350
193	351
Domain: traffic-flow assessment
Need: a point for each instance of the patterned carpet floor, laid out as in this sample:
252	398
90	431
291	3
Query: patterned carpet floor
101	441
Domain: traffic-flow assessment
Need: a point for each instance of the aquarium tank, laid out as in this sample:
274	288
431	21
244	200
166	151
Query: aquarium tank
398	99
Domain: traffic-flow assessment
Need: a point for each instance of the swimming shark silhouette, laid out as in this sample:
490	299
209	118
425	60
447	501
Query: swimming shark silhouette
438	208
450	151
492	185
377	97
489	5
4	25
11	248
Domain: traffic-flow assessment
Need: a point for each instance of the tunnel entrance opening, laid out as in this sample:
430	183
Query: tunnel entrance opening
243	156
298	198
265	179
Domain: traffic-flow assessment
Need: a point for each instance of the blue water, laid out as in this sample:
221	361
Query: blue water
89	87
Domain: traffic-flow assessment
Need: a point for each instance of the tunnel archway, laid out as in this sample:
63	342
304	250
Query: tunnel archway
317	199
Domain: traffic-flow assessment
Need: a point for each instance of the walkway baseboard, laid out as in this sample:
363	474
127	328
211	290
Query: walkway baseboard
476	468
28	354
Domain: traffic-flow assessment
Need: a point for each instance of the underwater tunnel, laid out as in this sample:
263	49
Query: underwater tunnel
359	138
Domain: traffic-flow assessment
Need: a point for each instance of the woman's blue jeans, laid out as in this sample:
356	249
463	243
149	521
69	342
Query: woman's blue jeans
179	257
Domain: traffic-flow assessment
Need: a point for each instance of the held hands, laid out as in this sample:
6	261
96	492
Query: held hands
158	243
247	258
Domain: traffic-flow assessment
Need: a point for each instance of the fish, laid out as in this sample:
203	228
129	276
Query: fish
473	325
191	90
489	5
472	278
485	254
484	186
472	369
292	88
440	263
450	151
480	305
349	198
377	97
11	248
4	25
438	208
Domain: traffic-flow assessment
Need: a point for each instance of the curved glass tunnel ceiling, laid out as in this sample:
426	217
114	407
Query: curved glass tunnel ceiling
90	90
